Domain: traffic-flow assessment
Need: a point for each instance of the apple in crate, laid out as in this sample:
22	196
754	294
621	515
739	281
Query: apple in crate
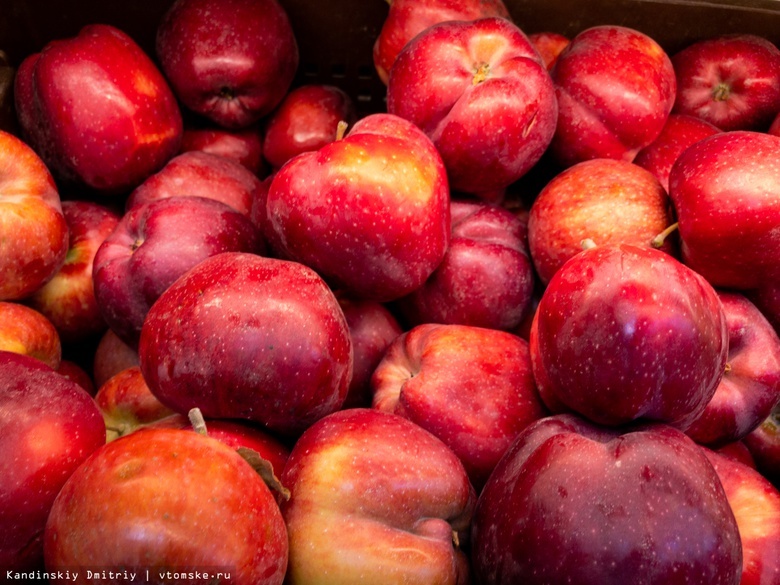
68	299
306	120
603	200
731	81
231	61
25	331
369	212
726	192
408	18
97	110
242	336
168	500
615	88
135	264
624	332
375	499
486	278
243	146
481	93
750	387
572	502
471	387
48	427
31	210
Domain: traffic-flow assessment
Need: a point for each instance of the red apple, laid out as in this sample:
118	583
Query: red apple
68	299
153	245
737	451
731	81
306	120
549	45
572	502
471	387
603	200
726	190
764	445
486	278
679	132
624	333
30	209
774	128
370	212
241	336
375	499
756	506
112	355
230	60
615	88
481	93
750	387
98	110
372	328
767	299
407	18
27	332
48	427
168	500
243	146
75	373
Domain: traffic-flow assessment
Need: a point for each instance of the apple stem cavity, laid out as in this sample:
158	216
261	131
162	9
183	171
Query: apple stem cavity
341	129
197	421
265	470
721	92
481	75
659	240
587	244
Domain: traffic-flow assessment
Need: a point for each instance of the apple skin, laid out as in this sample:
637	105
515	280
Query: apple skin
607	201
549	45
486	278
25	331
97	110
154	244
112	355
774	127
375	499
231	61
756	507
30	208
144	500
407	18
372	328
726	189
767	299
610	342
679	132
68	299
471	387
50	425
75	373
764	445
370	212
306	120
615	88
572	502
243	146
731	81
750	387
481	93
287	365
737	451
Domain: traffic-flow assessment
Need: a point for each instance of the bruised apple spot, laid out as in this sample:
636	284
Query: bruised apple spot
144	85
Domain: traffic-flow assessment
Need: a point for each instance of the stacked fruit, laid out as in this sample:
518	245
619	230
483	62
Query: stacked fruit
343	349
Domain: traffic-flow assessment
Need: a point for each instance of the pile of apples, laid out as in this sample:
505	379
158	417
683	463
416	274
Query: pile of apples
348	349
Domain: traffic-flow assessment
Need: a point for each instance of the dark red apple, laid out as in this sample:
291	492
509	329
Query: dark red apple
48	426
750	387
370	212
230	60
154	244
481	93
486	278
764	445
306	120
242	336
572	502
243	146
25	331
767	299
97	110
74	372
731	81
112	355
471	387
549	45
624	333
726	192
615	88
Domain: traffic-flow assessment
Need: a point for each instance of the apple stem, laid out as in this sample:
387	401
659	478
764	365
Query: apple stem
265	470
455	539
197	421
659	240
721	92
481	74
587	244
341	129
727	368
